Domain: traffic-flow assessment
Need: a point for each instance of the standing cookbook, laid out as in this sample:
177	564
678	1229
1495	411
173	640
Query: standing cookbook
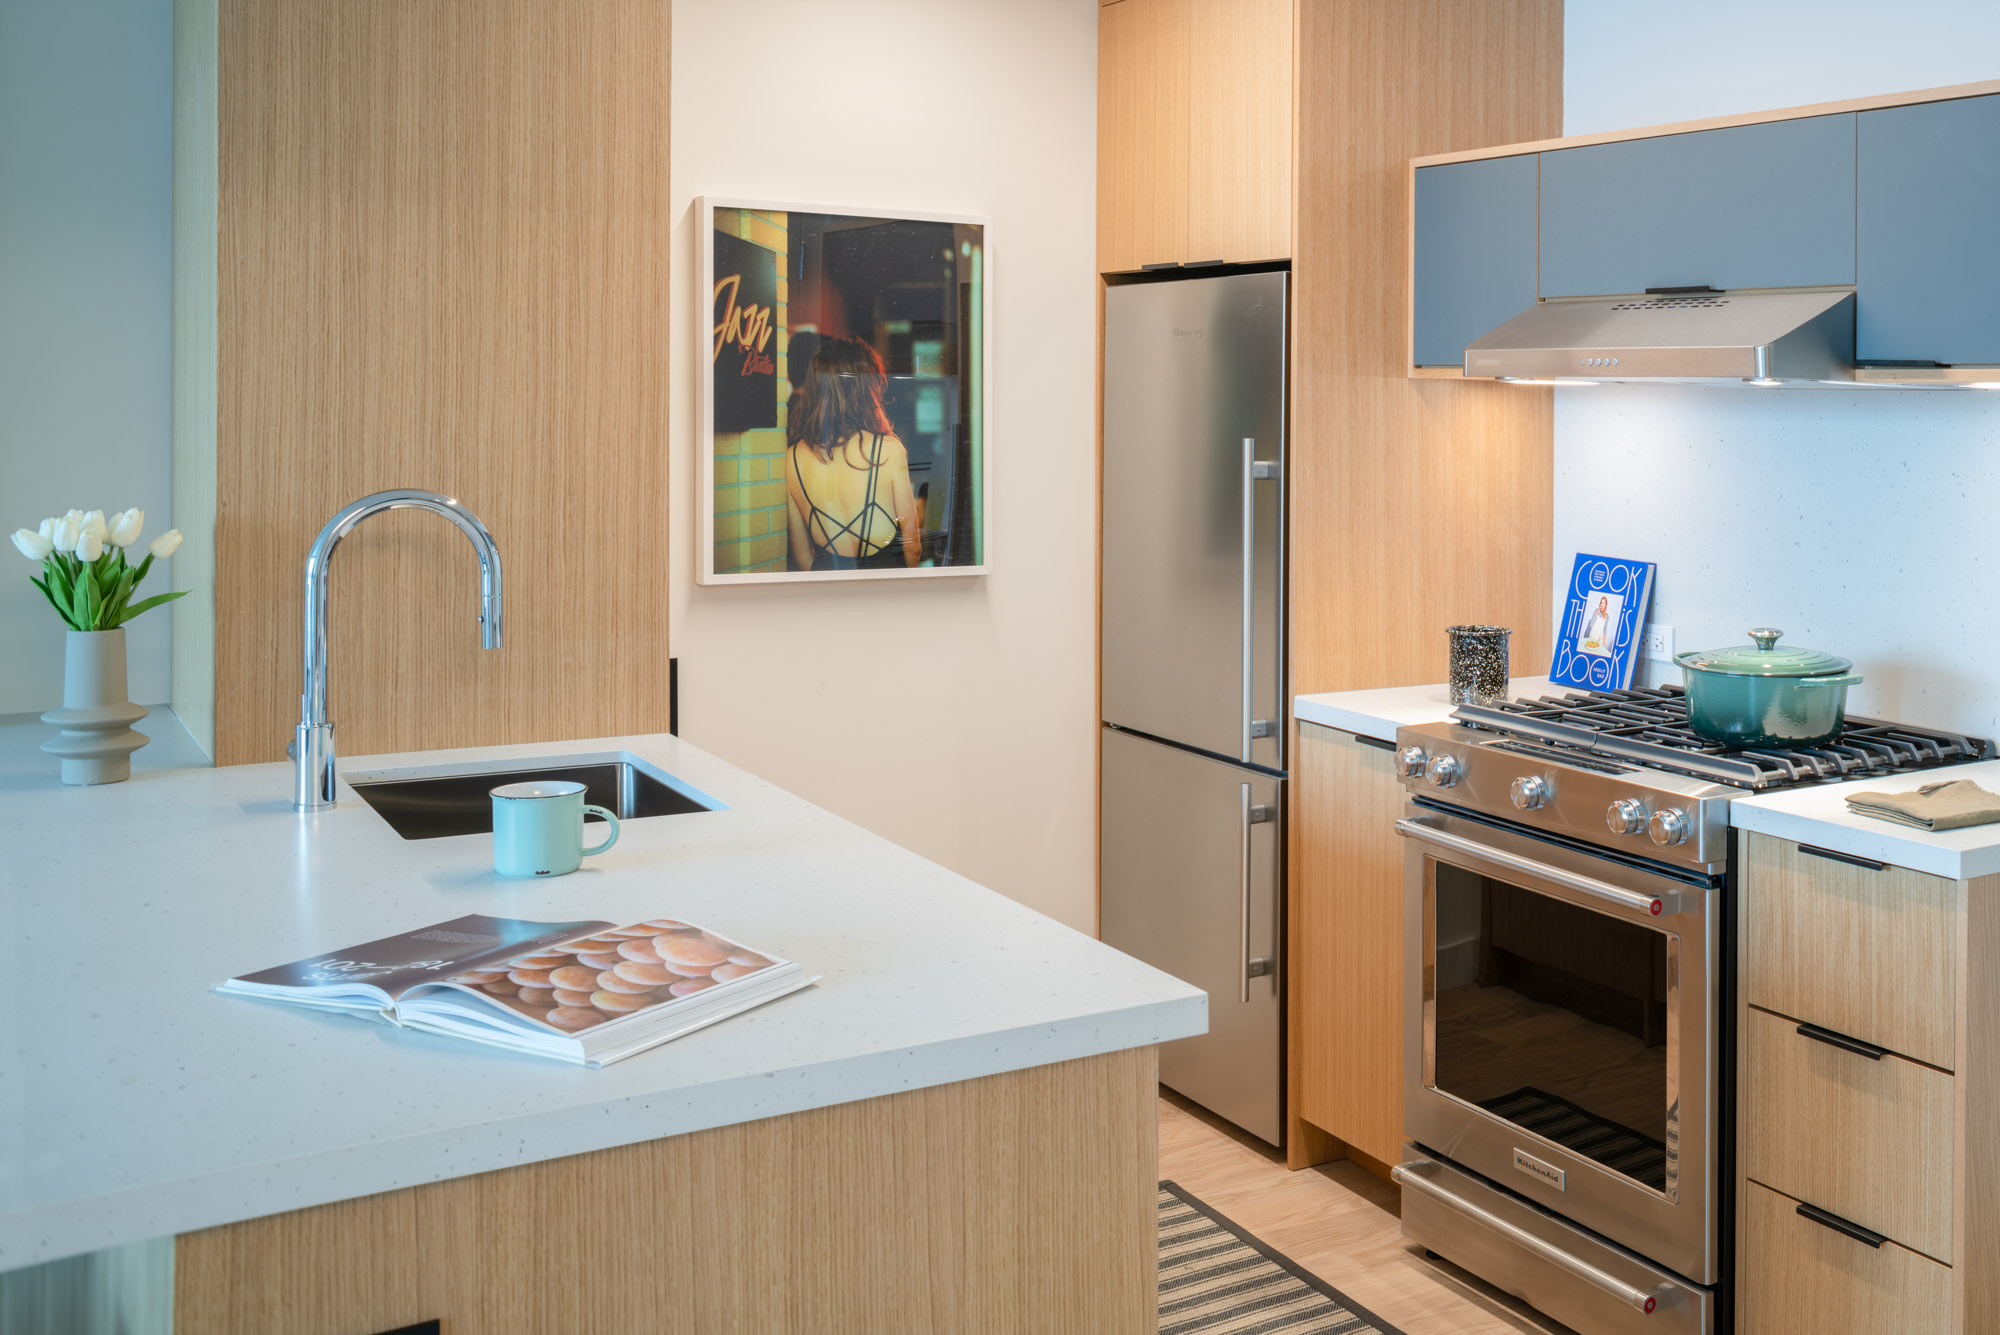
586	992
1597	646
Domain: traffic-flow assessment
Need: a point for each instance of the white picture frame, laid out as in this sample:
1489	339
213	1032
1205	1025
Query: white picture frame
979	410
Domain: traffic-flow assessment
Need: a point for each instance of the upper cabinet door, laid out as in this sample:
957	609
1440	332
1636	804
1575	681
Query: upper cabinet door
1768	205
1239	130
1474	253
1194	132
1928	269
1142	133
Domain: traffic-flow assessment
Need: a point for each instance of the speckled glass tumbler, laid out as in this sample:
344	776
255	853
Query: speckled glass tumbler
1478	664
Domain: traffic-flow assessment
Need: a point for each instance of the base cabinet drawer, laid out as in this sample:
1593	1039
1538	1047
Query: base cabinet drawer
1798	1277
1867	1136
1867	952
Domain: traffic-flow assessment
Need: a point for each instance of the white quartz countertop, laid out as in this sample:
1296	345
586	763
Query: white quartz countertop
1378	713
138	1103
1819	816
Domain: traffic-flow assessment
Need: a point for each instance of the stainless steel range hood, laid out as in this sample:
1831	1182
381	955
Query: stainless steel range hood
1689	337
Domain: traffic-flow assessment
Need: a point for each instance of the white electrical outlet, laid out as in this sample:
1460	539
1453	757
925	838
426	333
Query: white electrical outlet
1660	643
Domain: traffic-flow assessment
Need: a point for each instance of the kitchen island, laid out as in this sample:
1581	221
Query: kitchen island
958	1120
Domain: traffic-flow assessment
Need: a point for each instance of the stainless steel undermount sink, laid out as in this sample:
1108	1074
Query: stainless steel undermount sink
438	801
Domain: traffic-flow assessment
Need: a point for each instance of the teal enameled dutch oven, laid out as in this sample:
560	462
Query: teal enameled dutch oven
1761	695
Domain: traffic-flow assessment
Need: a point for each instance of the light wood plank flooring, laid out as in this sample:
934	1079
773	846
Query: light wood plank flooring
1338	1221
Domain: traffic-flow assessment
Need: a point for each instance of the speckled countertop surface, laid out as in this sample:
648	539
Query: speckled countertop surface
134	1102
1378	713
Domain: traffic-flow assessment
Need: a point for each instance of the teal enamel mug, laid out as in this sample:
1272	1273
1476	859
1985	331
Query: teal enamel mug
538	828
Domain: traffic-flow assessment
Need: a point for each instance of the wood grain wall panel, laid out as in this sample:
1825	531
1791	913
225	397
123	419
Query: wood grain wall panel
442	238
1021	1202
1239	176
1347	943
1416	503
1142	133
1975	1280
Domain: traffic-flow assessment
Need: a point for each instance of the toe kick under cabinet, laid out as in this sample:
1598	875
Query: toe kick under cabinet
1869	1079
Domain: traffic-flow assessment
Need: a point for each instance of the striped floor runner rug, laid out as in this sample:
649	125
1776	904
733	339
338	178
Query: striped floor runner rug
1216	1279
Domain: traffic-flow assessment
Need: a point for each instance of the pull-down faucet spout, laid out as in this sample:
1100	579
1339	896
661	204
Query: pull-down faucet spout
312	748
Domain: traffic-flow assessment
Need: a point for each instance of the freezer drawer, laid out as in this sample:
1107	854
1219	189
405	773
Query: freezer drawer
1194	427
1192	873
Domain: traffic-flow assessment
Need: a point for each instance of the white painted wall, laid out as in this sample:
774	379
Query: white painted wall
954	716
1861	523
86	229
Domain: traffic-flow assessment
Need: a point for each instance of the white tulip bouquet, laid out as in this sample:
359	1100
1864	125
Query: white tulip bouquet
84	572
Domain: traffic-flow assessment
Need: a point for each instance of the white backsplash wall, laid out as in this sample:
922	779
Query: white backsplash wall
86	286
1864	523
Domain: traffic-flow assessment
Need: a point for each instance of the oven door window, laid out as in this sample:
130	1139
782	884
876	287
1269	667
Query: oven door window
1558	1019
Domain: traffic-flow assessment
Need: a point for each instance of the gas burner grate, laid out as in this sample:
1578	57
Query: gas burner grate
1649	727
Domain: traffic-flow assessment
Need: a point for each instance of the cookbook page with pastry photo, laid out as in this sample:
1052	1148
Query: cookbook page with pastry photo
587	992
371	976
619	990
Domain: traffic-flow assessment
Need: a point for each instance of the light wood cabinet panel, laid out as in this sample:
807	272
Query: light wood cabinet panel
1240	130
1194	139
441	264
1801	1278
1416	503
1870	954
1142	133
1347	944
1870	1140
1022	1202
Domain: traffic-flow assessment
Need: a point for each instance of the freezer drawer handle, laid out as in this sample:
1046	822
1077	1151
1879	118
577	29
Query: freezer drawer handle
1254	813
1645	1300
1651	906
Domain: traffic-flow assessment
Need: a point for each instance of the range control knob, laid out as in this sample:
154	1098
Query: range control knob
1412	759
1530	792
1443	771
1668	827
1626	816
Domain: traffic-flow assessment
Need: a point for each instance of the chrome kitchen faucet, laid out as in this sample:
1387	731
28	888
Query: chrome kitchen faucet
312	748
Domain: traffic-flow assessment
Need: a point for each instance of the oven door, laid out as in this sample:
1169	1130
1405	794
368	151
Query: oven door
1560	1030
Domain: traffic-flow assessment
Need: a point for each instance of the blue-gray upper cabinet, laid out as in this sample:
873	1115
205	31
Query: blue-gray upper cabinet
1768	205
1928	285
1474	253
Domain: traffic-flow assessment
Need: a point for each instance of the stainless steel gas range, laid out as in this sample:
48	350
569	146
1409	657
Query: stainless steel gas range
1569	962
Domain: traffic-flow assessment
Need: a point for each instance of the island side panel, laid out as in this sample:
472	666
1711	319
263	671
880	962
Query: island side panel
1018	1202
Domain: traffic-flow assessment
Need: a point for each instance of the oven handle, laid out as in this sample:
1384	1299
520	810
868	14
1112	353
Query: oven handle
1645	1300
1631	901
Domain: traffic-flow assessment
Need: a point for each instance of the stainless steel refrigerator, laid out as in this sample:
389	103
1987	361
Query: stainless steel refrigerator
1193	801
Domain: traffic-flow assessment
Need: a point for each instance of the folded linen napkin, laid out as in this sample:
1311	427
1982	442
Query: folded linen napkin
1950	805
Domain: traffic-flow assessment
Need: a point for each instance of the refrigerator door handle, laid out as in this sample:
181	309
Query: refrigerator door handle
1249	635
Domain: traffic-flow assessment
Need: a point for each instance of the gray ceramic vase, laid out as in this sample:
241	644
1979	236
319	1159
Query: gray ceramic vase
97	741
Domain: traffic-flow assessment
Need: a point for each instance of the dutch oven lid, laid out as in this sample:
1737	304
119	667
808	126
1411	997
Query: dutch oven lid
1765	659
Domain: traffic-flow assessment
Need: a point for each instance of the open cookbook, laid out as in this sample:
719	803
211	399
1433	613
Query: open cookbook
587	992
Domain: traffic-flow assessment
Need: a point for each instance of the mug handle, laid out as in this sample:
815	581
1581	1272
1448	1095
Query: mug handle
610	820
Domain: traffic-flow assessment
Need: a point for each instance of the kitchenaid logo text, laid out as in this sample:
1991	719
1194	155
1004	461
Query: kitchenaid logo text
1188	333
1548	1173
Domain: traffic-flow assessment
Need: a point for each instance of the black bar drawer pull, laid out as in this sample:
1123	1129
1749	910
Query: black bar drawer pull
1375	742
1845	1227
1832	856
1843	1042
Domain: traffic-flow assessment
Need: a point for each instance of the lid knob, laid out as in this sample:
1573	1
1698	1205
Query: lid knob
1766	638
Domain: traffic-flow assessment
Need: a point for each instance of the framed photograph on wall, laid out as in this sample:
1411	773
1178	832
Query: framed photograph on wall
842	408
